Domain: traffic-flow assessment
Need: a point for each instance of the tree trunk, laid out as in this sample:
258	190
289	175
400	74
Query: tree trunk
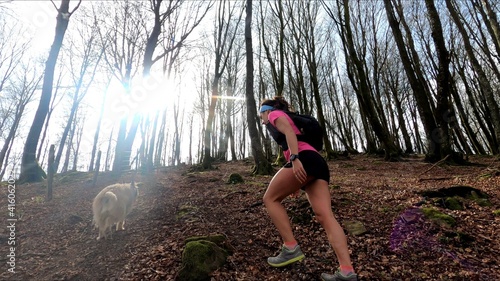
464	117
10	137
69	145
491	22
69	124
419	91
30	169
262	165
76	151
277	72
483	80
441	136
49	115
125	140
392	81
108	151
50	174
79	94
224	41
207	139
363	91
96	135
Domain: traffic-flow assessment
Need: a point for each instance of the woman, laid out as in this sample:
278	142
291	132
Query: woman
306	168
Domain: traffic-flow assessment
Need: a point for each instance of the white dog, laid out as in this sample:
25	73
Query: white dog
112	205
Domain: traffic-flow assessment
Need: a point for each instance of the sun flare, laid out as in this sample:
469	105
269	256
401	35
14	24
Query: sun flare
145	96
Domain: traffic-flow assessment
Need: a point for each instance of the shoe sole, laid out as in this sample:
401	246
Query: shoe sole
290	261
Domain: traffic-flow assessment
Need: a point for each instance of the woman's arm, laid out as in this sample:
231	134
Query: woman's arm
282	124
285	127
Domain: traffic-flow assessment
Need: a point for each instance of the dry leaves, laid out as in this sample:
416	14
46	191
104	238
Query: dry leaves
55	244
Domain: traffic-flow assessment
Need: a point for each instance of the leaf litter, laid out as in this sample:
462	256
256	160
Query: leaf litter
56	240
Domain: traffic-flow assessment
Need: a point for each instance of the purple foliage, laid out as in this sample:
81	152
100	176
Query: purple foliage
410	233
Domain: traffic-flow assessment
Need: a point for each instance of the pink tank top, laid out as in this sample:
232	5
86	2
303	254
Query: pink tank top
275	114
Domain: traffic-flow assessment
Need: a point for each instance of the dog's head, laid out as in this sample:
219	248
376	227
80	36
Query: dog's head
135	188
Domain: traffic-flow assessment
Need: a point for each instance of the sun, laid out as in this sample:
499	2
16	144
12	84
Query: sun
146	96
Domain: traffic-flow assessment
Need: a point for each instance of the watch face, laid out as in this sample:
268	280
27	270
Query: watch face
293	157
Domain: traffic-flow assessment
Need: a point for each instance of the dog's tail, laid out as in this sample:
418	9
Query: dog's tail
108	201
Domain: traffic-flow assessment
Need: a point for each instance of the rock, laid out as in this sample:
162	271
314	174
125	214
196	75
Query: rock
439	217
453	203
458	190
355	227
74	219
199	259
235	178
452	197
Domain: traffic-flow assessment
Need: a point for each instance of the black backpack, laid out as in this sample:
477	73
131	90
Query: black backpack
312	133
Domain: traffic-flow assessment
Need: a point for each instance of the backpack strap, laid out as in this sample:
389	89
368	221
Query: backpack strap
278	136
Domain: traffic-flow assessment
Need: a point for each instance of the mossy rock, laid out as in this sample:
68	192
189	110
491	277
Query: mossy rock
199	259
185	211
458	190
483	202
355	228
235	178
74	219
73	176
458	239
454	203
496	213
458	193
218	239
439	217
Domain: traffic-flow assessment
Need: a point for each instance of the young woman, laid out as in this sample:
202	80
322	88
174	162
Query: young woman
305	169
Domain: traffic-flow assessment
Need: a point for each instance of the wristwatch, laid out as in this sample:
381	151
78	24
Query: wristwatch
293	157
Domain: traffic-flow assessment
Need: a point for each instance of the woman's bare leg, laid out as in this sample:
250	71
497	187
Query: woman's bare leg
319	196
283	184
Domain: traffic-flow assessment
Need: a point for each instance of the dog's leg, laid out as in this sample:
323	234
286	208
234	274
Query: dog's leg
101	234
101	226
120	225
110	228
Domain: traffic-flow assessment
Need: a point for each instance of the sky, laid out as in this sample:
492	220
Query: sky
38	17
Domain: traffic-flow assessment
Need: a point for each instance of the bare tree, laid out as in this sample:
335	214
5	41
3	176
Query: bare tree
11	51
360	82
413	72
123	39
178	20
169	32
272	33
483	80
97	132
305	29
18	94
262	165
442	142
82	75
227	19
30	169
57	98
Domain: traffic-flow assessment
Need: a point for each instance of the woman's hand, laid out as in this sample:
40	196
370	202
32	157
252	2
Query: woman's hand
299	171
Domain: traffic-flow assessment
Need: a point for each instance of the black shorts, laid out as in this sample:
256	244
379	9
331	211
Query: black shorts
314	164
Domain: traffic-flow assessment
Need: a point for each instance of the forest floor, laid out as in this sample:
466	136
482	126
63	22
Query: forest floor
56	241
